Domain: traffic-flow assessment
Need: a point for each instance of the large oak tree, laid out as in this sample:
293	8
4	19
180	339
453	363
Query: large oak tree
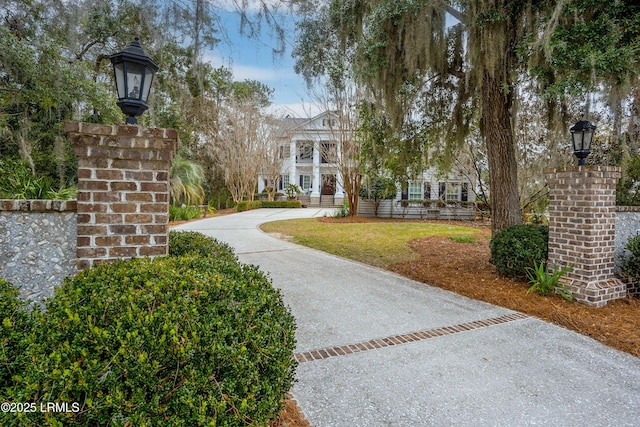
475	49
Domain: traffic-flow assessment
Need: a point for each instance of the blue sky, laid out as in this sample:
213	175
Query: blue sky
253	59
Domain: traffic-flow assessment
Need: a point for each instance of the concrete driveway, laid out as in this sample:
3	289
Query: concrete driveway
377	349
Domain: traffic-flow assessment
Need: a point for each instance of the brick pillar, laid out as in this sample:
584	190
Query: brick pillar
582	204
123	190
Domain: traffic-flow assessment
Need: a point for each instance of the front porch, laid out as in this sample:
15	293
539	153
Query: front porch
324	201
419	209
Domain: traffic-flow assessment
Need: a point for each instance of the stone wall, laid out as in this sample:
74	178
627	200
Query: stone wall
627	226
37	244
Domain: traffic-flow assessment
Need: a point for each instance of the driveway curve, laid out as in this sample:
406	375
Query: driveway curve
377	349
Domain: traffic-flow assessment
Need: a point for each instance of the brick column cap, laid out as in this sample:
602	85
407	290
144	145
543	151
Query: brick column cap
589	169
120	130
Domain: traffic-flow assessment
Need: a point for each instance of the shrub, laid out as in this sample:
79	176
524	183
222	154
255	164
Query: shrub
18	182
628	188
257	204
543	282
16	326
186	340
631	264
288	204
247	205
519	247
342	211
184	213
184	242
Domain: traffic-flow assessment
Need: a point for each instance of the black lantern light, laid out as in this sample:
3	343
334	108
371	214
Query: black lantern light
134	71
582	135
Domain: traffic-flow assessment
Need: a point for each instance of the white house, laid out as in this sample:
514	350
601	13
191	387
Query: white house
305	150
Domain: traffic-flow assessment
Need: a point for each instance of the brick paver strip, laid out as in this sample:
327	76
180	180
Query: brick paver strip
325	353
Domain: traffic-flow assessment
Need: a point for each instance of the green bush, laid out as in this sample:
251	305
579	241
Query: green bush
631	264
519	247
184	242
342	211
176	341
257	204
184	213
247	205
18	182
17	325
544	282
628	188
288	204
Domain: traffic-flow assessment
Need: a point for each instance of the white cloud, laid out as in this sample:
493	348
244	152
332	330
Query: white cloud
252	72
265	74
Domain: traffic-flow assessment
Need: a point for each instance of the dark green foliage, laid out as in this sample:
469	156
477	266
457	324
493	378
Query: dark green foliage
257	204
185	242
519	247
176	341
631	264
379	188
248	205
18	182
628	188
288	204
17	324
186	213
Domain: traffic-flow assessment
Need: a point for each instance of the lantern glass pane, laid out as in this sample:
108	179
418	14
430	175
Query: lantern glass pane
148	79
577	140
586	143
119	72
134	81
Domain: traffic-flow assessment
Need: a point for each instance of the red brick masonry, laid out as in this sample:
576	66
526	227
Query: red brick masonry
123	190
343	350
582	209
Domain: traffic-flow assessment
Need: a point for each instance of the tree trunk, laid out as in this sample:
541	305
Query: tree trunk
501	153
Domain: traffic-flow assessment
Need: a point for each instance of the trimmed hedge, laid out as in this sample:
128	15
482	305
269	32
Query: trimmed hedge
519	247
16	325
631	264
179	340
185	242
257	204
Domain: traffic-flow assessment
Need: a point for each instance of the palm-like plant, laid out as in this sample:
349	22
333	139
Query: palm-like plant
186	178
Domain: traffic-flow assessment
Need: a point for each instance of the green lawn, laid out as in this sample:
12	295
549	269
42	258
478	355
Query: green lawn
375	243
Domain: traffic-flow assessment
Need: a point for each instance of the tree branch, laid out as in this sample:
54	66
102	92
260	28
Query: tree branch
456	14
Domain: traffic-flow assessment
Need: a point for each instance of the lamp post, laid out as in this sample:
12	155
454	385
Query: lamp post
582	135
134	72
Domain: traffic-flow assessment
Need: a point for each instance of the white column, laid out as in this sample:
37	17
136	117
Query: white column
292	169
338	198
315	185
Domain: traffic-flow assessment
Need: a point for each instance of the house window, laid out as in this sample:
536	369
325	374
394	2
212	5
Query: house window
415	190
305	152
305	182
453	192
328	123
427	191
283	182
284	151
450	191
328	151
